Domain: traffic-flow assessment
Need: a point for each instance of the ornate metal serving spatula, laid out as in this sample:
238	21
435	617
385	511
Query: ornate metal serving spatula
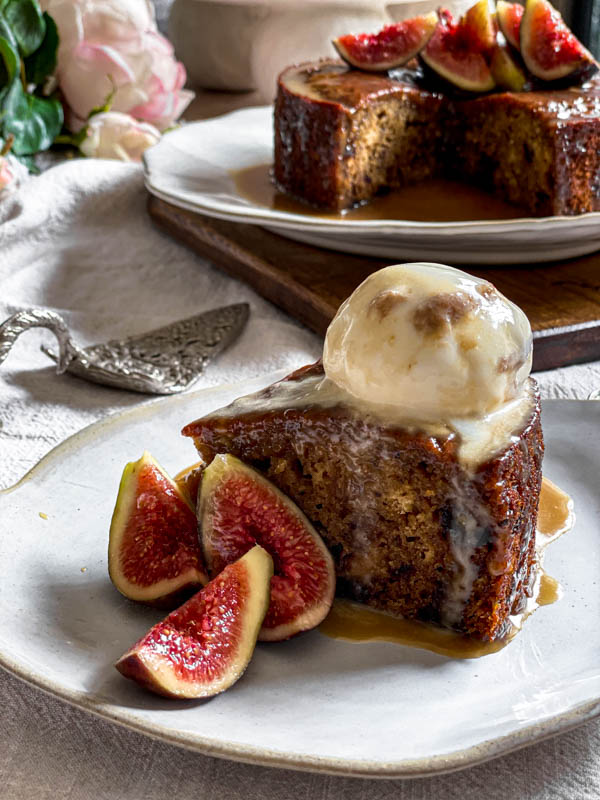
163	361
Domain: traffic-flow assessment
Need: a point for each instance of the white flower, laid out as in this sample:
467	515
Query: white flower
114	44
112	134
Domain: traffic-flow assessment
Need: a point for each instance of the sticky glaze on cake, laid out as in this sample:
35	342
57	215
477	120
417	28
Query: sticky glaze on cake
428	518
342	136
411	531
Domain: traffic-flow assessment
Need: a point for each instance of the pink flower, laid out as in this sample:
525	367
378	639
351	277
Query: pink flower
6	174
112	134
12	173
106	44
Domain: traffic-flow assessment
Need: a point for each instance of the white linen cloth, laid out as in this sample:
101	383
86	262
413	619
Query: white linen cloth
77	239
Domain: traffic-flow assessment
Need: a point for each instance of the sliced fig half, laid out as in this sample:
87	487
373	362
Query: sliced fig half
238	507
550	50
478	27
507	73
456	56
154	555
203	647
391	47
509	17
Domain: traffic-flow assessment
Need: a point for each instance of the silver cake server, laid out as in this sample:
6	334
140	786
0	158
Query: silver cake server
163	361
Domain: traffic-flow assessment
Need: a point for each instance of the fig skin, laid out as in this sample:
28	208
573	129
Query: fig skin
457	56
153	553
238	507
204	647
509	16
551	52
507	73
390	48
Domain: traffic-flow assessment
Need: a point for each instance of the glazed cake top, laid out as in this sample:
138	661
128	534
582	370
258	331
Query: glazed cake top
334	82
308	391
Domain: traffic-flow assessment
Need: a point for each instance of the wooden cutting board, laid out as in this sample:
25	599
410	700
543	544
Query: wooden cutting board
562	299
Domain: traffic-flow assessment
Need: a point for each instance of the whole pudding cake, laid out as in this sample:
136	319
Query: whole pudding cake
414	448
343	135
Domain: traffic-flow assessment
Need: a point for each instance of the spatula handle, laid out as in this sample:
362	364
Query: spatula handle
23	320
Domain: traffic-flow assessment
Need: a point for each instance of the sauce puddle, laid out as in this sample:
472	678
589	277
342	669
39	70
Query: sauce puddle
357	623
434	200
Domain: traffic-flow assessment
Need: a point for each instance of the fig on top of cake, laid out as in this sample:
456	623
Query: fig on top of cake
514	48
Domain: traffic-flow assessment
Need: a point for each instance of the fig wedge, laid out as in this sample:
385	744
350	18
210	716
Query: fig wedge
478	27
239	507
455	53
203	648
154	554
507	73
509	17
390	48
551	52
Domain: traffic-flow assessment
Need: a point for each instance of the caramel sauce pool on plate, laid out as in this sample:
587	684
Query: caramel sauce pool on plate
354	622
424	202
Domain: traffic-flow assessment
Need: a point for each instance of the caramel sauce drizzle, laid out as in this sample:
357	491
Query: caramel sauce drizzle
555	514
423	202
357	623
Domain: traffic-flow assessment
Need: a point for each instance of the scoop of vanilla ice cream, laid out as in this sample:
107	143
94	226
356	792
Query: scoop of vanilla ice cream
430	339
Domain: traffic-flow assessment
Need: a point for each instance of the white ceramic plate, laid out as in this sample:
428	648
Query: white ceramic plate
192	166
312	703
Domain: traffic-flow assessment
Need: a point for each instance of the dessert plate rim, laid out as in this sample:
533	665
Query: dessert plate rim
167	163
125	714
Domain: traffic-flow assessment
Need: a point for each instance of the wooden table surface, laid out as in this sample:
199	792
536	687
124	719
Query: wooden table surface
212	104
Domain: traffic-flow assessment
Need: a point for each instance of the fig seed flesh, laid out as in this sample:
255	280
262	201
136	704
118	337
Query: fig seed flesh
390	48
509	17
154	555
238	507
551	52
202	648
456	54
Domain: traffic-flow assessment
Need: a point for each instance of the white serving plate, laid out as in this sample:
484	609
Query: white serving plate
313	703
191	168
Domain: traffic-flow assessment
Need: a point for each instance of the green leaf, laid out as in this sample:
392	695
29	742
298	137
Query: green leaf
27	23
7	32
34	121
43	62
9	62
